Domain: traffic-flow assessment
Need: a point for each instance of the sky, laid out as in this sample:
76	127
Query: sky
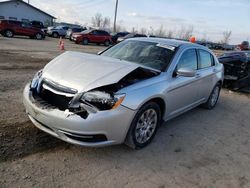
209	18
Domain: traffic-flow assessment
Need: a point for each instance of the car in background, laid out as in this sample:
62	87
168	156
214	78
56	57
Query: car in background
117	35
92	36
236	68
57	31
74	30
131	35
39	25
10	28
123	94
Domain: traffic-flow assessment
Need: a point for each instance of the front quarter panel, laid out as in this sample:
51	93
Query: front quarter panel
144	91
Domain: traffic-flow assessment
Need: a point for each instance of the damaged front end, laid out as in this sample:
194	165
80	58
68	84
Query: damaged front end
236	69
51	95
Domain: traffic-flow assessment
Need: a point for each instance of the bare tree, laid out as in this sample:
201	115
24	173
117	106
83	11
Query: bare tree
161	32
143	30
133	30
170	34
97	20
226	37
185	33
106	22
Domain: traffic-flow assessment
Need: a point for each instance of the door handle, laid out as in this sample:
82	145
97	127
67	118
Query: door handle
214	70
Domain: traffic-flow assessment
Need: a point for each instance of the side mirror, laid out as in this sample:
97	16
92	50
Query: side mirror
186	72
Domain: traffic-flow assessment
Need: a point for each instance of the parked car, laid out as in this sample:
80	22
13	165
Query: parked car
92	36
124	93
131	35
74	30
117	35
39	25
10	28
237	69
58	31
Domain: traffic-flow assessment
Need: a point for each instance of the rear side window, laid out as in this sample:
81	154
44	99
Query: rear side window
206	59
188	60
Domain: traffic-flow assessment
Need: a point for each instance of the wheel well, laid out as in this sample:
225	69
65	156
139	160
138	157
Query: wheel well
220	82
161	104
8	30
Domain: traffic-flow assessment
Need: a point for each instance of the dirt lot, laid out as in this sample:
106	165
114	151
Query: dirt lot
198	149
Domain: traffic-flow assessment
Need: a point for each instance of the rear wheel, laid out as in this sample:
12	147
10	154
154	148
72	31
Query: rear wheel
85	41
107	43
9	33
55	35
213	98
144	126
38	36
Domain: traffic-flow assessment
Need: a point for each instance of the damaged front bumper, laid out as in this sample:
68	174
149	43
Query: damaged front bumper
100	129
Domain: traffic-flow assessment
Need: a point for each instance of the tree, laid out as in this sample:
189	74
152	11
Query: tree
161	32
226	37
143	31
170	34
185	33
99	21
106	22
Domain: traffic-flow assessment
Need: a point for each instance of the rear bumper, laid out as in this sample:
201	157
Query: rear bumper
100	129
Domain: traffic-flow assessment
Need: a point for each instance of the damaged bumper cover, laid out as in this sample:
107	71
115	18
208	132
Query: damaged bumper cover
103	128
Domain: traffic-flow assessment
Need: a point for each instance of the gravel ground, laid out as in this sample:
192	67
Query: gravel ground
201	148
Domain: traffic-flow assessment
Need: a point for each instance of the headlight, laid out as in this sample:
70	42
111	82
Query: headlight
35	80
102	100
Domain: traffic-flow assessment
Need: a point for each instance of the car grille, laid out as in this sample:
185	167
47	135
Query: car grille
52	95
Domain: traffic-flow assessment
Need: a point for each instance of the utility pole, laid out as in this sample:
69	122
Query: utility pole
116	6
28	1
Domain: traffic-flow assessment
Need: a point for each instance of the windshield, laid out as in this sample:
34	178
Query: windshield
150	54
86	31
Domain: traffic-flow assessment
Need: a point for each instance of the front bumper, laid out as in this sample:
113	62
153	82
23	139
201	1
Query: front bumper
113	124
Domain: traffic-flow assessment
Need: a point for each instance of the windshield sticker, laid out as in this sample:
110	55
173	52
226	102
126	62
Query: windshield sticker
172	48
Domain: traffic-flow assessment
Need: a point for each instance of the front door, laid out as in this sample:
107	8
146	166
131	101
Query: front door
183	91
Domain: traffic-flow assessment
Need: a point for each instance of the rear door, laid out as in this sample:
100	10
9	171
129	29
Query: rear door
205	73
26	29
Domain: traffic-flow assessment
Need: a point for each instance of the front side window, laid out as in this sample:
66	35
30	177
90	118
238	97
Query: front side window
188	60
205	59
148	54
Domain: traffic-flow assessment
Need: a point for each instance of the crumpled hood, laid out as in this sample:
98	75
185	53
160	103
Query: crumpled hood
84	72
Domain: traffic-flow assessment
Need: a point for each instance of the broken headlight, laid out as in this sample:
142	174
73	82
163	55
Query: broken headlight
35	80
102	100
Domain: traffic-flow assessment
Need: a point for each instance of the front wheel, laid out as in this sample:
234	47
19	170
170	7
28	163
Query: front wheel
213	98
85	41
144	126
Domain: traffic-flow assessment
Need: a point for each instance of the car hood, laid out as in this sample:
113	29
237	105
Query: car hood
84	72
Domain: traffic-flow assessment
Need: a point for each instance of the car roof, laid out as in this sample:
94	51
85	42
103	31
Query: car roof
171	42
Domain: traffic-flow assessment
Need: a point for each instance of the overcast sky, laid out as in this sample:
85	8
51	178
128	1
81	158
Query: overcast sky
208	17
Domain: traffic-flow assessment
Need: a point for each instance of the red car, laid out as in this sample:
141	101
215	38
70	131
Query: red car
92	36
9	28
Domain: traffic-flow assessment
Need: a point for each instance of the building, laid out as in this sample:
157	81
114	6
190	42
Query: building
22	11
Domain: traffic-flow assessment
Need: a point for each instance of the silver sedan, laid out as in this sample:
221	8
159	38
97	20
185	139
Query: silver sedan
124	93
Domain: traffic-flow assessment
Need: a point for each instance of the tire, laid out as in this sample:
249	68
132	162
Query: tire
106	43
38	36
8	33
85	41
143	128
213	98
55	35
